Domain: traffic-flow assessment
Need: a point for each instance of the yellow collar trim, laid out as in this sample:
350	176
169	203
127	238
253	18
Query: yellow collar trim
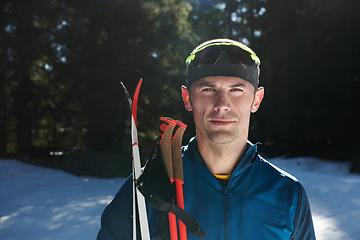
221	176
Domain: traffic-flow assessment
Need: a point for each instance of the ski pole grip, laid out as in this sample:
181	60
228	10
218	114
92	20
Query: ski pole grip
176	149
166	127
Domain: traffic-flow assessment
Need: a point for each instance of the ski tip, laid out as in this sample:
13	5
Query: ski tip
139	83
138	86
135	101
127	95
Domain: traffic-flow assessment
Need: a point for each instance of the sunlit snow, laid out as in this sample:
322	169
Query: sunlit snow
46	204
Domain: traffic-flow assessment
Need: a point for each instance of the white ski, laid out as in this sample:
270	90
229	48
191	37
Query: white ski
143	220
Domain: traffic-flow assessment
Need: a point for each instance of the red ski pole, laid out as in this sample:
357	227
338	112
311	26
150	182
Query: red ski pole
178	170
166	127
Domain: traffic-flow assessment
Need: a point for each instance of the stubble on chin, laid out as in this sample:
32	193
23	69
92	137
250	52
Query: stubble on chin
221	137
217	137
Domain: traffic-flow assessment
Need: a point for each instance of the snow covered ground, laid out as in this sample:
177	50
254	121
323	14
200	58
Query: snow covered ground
46	204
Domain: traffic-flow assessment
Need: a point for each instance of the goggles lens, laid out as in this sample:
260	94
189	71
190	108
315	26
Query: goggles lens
236	54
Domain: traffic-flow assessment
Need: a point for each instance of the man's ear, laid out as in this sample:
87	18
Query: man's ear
259	95
186	98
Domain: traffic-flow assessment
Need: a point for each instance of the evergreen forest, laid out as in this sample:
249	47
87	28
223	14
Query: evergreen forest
61	63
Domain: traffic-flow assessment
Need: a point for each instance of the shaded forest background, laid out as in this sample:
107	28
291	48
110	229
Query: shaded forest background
61	61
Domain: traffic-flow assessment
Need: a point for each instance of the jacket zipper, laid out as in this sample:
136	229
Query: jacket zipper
226	215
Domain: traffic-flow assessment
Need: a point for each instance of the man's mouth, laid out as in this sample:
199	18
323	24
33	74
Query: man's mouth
222	122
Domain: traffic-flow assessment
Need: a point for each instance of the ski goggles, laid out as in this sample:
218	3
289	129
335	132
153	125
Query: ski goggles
223	58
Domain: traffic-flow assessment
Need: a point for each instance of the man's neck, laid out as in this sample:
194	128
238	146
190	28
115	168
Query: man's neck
221	158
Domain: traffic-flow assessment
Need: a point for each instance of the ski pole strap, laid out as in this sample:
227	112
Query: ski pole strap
191	224
155	185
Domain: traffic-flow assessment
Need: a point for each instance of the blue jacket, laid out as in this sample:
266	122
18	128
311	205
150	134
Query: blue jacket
260	201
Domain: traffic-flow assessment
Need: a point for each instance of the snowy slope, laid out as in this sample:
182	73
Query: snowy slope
47	204
334	196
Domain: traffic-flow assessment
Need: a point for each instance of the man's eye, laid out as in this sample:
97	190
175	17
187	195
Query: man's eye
207	89
237	90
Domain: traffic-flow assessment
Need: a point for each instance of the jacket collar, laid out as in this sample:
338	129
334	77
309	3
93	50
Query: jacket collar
248	160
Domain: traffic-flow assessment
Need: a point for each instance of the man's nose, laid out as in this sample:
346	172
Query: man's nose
222	102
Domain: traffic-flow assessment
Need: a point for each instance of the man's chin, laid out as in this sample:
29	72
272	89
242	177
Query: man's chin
221	137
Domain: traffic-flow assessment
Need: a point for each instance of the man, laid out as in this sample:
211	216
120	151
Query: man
229	189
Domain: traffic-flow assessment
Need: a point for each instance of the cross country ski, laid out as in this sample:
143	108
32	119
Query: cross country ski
144	227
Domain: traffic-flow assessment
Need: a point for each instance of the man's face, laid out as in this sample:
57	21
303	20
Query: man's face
221	107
